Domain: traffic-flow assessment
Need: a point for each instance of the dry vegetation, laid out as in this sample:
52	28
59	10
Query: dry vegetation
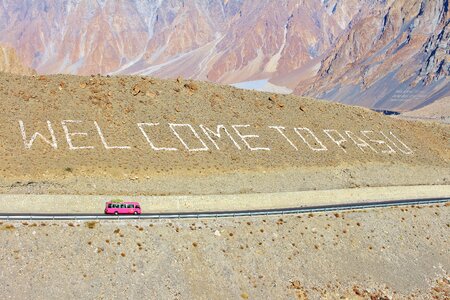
394	253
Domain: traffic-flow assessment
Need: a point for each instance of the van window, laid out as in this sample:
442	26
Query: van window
122	206
109	205
130	206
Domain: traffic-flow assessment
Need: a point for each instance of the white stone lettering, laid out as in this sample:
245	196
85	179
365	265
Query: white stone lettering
102	137
322	146
216	137
380	142
173	126
406	151
217	134
339	141
280	130
245	137
70	135
147	138
29	143
359	142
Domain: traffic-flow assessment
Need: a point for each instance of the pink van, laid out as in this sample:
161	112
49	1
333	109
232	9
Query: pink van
123	208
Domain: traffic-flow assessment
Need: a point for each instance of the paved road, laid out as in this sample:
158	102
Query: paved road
221	214
84	204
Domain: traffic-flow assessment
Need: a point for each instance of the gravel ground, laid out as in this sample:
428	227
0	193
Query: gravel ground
399	253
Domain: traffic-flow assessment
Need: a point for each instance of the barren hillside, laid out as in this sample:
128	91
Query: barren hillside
139	134
395	253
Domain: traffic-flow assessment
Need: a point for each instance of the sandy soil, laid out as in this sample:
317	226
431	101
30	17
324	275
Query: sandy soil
309	160
398	253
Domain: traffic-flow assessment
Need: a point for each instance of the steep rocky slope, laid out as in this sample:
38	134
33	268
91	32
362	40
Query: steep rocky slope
225	41
10	63
395	56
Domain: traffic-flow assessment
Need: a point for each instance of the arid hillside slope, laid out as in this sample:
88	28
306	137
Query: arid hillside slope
149	131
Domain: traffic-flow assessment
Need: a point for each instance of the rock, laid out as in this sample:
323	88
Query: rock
192	86
136	90
150	94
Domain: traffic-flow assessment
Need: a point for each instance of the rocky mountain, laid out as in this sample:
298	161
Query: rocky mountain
389	54
395	55
10	63
224	41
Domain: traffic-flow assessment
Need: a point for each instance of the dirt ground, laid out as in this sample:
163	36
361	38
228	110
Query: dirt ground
394	253
90	140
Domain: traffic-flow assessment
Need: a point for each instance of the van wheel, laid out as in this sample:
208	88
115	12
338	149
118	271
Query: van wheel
135	212
116	213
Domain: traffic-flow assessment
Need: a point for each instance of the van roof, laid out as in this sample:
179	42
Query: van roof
123	202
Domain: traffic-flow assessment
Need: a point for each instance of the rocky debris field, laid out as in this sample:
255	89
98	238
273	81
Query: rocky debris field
130	134
392	253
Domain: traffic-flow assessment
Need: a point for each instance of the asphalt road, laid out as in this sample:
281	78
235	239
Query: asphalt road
221	214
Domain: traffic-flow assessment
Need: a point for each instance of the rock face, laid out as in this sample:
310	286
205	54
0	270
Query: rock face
10	63
395	55
225	41
386	54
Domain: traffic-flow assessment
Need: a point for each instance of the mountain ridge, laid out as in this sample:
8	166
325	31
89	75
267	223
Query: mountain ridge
390	54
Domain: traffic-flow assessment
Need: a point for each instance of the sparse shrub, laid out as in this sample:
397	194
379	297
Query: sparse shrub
192	86
9	227
91	224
